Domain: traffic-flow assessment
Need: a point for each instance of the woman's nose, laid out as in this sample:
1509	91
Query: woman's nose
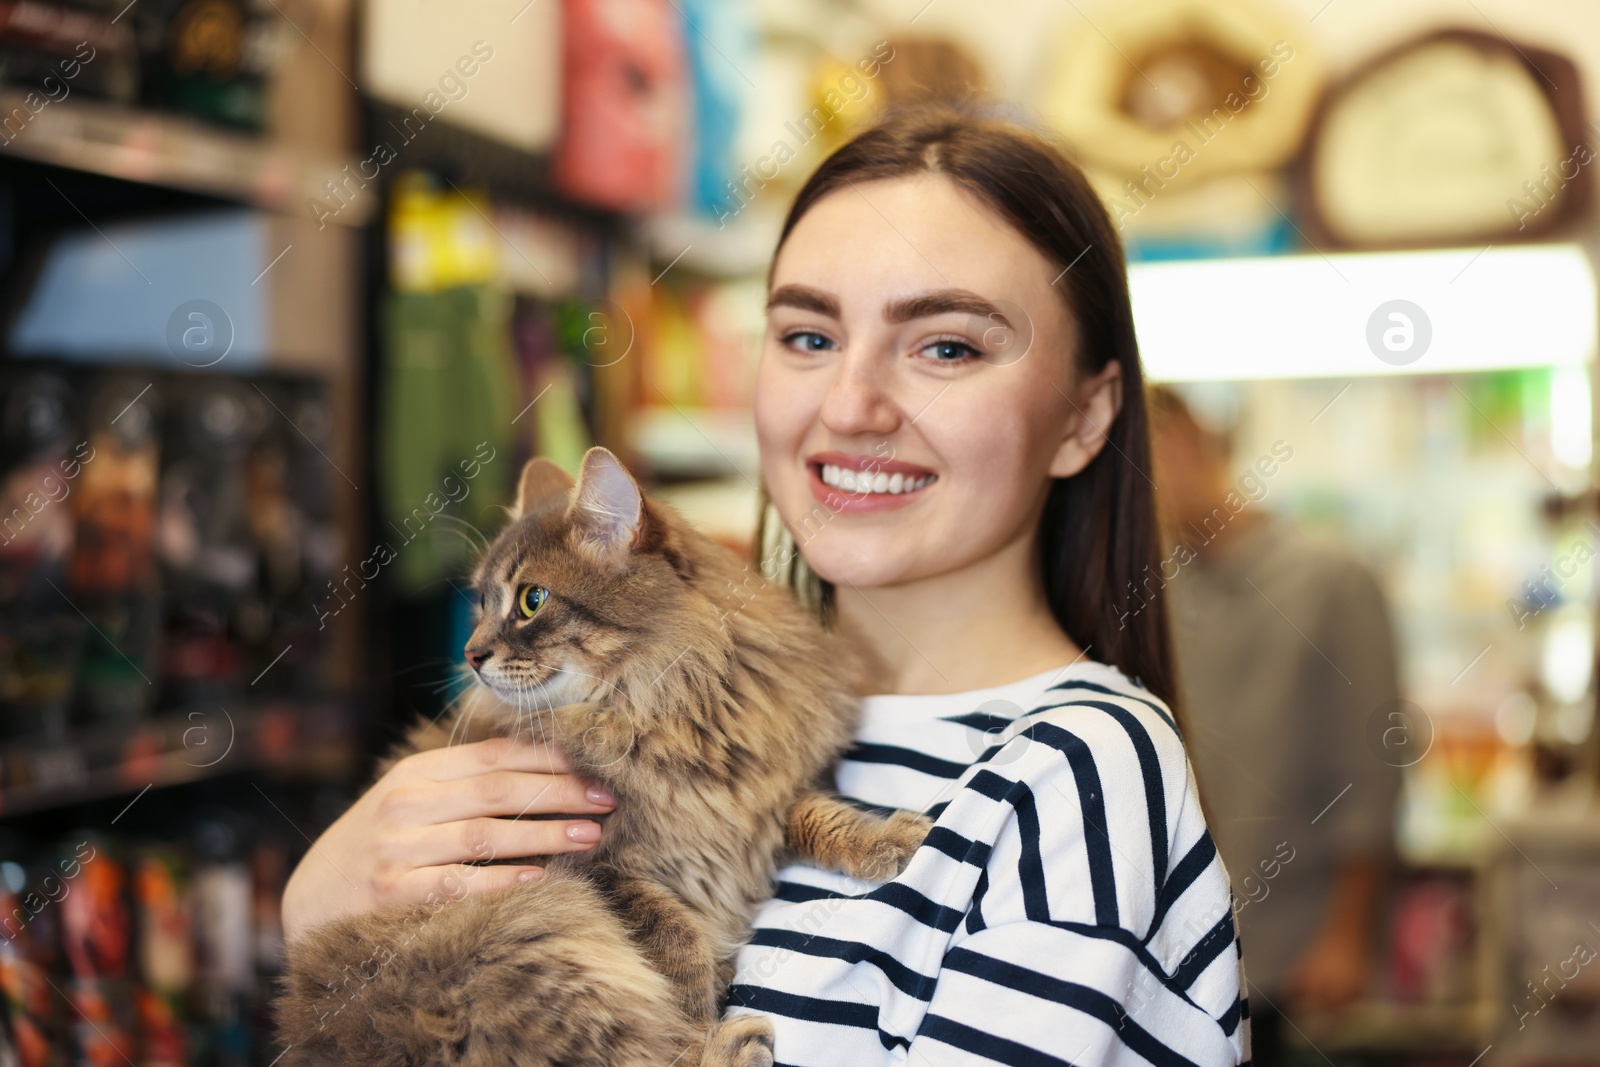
858	400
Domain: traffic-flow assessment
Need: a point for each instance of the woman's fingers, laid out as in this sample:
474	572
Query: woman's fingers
491	839
454	881
495	754
422	801
427	825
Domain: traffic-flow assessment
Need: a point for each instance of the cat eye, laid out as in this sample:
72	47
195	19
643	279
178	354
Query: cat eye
530	598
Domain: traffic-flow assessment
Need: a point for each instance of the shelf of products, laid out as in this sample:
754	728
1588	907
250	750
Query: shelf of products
695	441
160	149
315	739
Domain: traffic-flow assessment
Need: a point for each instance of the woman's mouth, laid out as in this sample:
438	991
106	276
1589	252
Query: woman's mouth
871	482
865	483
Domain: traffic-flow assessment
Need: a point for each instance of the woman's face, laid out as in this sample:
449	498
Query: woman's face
915	342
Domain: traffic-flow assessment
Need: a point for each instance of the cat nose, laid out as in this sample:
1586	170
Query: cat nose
477	657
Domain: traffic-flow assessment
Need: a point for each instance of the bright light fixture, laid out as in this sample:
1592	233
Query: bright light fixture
1370	313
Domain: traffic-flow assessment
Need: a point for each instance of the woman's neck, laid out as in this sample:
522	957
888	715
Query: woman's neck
985	625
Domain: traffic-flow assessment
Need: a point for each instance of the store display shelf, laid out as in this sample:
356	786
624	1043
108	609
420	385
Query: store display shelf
1463	860
685	442
169	150
1384	1025
314	738
698	244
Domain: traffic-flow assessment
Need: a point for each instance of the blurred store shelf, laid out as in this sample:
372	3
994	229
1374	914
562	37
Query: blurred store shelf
685	442
314	738
722	508
739	246
168	150
1391	1026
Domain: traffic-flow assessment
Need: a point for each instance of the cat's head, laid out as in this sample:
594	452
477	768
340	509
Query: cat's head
589	584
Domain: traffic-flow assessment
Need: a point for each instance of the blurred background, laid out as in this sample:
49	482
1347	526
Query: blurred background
291	288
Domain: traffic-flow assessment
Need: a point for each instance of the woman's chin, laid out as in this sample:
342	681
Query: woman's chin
855	570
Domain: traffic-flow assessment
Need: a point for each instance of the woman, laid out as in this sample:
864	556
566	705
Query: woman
952	431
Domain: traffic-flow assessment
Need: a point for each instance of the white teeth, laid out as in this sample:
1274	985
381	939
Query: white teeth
852	481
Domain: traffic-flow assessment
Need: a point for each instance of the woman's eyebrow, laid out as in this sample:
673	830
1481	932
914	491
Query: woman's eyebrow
805	298
943	301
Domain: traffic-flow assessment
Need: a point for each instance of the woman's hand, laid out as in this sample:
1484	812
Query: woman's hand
414	833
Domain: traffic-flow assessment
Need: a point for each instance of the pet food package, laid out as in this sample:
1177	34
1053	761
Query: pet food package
210	58
97	940
29	940
111	574
289	520
53	49
210	568
164	910
224	923
624	103
42	456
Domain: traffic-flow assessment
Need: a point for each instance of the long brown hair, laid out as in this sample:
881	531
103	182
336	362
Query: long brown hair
1098	538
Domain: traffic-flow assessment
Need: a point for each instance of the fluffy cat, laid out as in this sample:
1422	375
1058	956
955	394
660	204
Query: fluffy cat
712	706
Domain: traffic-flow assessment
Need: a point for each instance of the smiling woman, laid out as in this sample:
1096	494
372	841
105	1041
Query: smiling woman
949	373
951	418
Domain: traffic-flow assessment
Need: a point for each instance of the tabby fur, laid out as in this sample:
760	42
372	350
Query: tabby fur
713	706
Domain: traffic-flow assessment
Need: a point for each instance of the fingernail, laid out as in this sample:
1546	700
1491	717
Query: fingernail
586	832
530	874
598	794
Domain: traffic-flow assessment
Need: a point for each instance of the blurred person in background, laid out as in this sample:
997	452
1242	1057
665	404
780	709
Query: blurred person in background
1285	654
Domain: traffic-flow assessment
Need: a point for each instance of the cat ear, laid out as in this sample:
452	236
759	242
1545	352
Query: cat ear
608	506
541	485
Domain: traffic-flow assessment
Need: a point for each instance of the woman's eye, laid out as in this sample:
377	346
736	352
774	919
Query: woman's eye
530	598
949	350
807	341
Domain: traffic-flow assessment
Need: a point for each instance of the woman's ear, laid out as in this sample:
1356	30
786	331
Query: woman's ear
1092	406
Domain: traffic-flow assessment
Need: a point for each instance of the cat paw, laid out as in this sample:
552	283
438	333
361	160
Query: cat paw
902	834
742	1041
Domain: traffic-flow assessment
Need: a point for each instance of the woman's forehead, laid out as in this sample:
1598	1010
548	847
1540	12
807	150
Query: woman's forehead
870	244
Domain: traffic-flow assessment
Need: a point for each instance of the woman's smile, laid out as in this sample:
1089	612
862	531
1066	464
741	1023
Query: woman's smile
855	484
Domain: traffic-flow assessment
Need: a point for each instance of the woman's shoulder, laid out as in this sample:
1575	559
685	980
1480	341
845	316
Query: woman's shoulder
1097	759
1095	709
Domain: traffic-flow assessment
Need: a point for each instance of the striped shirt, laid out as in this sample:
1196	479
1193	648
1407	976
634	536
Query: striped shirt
1068	906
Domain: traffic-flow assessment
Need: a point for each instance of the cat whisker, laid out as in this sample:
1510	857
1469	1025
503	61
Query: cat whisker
580	674
482	541
536	717
460	680
516	726
431	661
463	723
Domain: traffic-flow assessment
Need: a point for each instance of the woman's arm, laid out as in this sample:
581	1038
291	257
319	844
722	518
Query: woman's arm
416	831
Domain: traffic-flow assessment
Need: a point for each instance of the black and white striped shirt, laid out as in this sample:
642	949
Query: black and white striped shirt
1068	906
